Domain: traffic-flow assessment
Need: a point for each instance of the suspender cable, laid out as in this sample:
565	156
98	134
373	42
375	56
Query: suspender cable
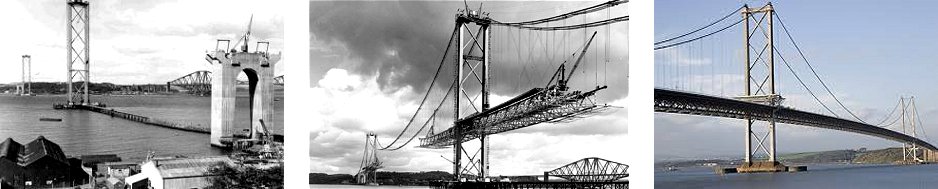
429	88
812	69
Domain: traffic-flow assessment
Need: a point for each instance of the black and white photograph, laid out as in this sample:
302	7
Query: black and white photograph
469	94
142	94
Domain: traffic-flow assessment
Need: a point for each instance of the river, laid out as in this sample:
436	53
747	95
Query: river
313	186
86	133
817	176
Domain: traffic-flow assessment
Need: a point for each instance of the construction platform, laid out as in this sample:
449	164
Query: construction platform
457	185
761	167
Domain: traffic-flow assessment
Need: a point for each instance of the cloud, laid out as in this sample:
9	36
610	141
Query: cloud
353	105
402	44
163	39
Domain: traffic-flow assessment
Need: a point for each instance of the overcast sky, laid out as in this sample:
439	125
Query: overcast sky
132	41
372	61
869	53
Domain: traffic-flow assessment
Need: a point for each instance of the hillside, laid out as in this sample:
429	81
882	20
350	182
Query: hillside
881	156
384	178
859	156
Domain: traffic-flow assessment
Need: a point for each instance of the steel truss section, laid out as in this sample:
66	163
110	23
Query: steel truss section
278	80
676	102
77	46
198	82
591	169
530	108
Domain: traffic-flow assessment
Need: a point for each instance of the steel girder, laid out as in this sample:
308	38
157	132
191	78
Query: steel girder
278	80
669	101
592	169
198	82
536	106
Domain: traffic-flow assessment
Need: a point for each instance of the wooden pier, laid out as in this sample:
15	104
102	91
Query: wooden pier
495	185
144	119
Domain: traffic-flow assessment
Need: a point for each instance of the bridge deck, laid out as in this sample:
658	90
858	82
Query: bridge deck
535	106
670	101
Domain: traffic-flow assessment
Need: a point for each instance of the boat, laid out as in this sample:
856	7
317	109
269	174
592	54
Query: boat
49	119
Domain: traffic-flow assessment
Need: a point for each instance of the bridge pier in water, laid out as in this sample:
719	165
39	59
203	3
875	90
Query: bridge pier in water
760	92
259	68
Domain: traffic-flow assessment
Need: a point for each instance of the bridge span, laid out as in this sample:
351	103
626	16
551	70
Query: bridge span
678	102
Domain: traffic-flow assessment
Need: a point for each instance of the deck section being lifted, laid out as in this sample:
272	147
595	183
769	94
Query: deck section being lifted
539	105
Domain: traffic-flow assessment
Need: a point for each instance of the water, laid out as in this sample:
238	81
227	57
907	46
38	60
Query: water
86	133
363	186
817	176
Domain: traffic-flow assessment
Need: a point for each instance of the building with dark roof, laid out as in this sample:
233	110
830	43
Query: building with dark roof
39	164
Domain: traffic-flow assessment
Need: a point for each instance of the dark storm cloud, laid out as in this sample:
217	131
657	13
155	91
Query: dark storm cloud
370	30
402	43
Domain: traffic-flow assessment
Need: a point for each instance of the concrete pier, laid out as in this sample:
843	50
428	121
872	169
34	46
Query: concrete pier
760	167
259	69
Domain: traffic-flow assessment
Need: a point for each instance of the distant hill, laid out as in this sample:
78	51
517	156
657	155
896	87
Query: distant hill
384	178
858	156
881	156
834	156
59	87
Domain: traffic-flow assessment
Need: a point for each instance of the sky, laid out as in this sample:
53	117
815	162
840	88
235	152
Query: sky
371	62
870	54
135	41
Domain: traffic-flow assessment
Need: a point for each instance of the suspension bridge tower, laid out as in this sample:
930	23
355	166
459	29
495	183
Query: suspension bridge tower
25	86
78	40
472	71
760	87
258	66
367	172
911	153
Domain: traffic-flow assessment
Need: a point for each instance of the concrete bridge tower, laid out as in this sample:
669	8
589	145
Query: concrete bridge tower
258	65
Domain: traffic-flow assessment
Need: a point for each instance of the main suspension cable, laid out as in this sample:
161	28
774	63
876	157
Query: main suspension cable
812	69
429	89
594	8
702	28
570	27
697	38
802	82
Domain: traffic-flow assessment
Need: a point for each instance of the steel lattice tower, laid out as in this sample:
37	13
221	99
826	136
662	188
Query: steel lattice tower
27	66
473	53
911	153
77	45
759	76
368	170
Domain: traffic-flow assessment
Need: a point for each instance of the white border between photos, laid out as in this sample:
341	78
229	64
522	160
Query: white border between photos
641	95
298	92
